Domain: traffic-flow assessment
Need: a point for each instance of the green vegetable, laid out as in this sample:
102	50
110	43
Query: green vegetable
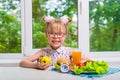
100	70
99	67
57	66
77	70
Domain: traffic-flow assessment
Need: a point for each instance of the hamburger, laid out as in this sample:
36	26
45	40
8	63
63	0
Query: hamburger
61	61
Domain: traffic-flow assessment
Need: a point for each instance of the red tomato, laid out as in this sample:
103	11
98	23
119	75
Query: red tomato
80	64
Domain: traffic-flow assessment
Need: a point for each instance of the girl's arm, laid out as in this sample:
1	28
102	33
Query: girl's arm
29	62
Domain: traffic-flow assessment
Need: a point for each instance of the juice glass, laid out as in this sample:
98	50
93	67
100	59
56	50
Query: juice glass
76	57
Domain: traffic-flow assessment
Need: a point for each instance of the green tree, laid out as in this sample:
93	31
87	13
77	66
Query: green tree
104	25
10	28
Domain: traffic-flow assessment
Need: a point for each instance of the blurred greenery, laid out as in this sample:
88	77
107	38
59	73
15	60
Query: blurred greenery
105	25
10	27
57	9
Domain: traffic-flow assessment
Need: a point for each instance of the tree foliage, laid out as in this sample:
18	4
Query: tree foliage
10	28
105	25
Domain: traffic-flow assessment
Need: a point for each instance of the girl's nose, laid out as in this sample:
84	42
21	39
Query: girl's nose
56	36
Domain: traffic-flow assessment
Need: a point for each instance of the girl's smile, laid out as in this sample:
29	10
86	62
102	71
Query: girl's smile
55	42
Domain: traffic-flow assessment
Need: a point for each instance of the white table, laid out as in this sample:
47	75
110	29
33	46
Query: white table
19	73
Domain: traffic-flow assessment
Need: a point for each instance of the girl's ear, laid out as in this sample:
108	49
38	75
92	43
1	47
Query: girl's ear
47	19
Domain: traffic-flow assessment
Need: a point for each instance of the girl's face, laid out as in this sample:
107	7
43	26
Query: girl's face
56	35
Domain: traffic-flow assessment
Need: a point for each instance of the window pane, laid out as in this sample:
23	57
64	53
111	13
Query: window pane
104	25
10	26
55	8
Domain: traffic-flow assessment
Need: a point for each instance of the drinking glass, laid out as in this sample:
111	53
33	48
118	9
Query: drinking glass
76	57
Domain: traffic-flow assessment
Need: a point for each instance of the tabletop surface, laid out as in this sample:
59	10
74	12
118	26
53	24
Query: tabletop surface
19	73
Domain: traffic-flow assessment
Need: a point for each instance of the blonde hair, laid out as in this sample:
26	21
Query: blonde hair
59	24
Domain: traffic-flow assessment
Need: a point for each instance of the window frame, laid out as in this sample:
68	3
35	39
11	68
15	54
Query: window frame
111	55
28	49
17	55
83	33
28	31
83	41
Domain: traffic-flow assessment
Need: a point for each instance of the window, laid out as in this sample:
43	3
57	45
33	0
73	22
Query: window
10	27
104	25
95	27
58	9
37	38
100	25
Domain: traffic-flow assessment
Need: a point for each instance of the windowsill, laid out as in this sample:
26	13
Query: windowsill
15	62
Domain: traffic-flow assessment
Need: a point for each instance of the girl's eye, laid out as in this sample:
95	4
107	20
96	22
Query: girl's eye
51	33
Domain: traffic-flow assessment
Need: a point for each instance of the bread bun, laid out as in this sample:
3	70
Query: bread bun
63	60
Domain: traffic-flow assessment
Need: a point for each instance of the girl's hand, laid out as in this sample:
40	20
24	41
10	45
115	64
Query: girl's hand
42	66
84	59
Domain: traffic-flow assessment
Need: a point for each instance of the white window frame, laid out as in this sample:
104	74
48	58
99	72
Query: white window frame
28	48
17	55
28	29
83	33
84	36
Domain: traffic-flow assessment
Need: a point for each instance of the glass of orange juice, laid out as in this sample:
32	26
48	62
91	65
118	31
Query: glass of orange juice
76	57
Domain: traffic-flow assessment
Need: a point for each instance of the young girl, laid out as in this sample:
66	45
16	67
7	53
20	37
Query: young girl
56	32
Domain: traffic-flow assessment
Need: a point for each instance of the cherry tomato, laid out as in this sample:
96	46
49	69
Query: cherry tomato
80	64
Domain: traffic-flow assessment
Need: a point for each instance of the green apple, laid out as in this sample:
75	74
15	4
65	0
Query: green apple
45	59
